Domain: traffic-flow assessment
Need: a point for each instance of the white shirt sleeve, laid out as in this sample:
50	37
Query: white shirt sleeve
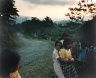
55	55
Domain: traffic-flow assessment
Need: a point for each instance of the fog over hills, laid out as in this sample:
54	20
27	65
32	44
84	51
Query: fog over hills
21	19
63	22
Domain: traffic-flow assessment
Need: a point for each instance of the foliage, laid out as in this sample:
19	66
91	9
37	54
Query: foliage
89	29
77	15
47	22
8	12
37	28
84	8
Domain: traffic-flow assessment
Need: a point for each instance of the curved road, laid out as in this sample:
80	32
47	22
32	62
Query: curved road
32	50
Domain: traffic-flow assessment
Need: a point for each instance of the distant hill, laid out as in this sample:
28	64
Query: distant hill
63	22
21	19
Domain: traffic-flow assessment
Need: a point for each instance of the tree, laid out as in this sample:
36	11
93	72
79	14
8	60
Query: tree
47	22
8	11
84	8
89	29
8	14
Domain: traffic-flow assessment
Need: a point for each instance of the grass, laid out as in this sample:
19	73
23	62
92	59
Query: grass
42	68
16	41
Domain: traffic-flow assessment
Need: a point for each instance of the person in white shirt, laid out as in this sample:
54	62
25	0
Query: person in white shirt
56	59
64	35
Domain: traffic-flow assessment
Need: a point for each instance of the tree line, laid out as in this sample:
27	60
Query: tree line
46	28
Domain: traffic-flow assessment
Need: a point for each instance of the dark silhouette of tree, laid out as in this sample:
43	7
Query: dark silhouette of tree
84	8
8	14
47	22
8	11
31	26
89	29
37	28
36	23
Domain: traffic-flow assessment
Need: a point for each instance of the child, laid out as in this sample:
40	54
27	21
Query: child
56	59
67	66
9	64
82	55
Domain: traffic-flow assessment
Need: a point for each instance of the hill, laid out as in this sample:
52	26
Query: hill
63	22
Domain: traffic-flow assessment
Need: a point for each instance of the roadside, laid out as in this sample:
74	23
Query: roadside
32	50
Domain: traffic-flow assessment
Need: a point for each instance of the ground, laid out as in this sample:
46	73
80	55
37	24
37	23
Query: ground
36	60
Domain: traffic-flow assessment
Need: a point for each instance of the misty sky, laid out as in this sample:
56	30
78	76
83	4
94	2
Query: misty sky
55	9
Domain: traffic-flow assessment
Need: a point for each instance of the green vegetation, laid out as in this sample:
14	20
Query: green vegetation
8	14
42	68
38	29
83	8
8	11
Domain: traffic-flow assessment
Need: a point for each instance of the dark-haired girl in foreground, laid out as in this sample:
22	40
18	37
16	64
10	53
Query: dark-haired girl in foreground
67	66
9	64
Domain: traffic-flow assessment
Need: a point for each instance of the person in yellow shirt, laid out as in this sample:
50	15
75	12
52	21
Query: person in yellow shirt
67	63
9	64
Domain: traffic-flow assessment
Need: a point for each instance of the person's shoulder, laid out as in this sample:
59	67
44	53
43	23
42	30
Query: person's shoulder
62	41
15	75
55	51
1	77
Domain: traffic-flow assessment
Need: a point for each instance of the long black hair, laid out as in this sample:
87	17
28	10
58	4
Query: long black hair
8	60
57	43
64	35
66	42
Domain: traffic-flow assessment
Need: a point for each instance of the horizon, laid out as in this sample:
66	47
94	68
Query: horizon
55	9
21	19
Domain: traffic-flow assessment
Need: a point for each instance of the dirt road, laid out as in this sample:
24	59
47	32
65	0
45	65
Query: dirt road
31	50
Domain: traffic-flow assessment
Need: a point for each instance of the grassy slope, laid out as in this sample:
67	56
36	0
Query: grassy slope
42	68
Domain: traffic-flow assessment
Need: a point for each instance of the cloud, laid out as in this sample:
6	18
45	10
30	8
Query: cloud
52	2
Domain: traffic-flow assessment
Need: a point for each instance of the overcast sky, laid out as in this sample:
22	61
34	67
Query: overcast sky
55	9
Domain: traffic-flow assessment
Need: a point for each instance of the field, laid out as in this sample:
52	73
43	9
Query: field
41	68
36	58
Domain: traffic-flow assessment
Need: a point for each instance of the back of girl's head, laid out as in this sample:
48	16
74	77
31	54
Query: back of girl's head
67	41
64	35
57	43
9	61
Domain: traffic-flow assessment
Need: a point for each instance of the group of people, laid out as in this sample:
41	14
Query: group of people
66	51
9	64
87	55
62	58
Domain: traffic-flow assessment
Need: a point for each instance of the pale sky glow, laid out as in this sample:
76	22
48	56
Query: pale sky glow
55	9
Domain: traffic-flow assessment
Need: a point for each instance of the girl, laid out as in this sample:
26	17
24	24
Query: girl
56	59
9	64
67	66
